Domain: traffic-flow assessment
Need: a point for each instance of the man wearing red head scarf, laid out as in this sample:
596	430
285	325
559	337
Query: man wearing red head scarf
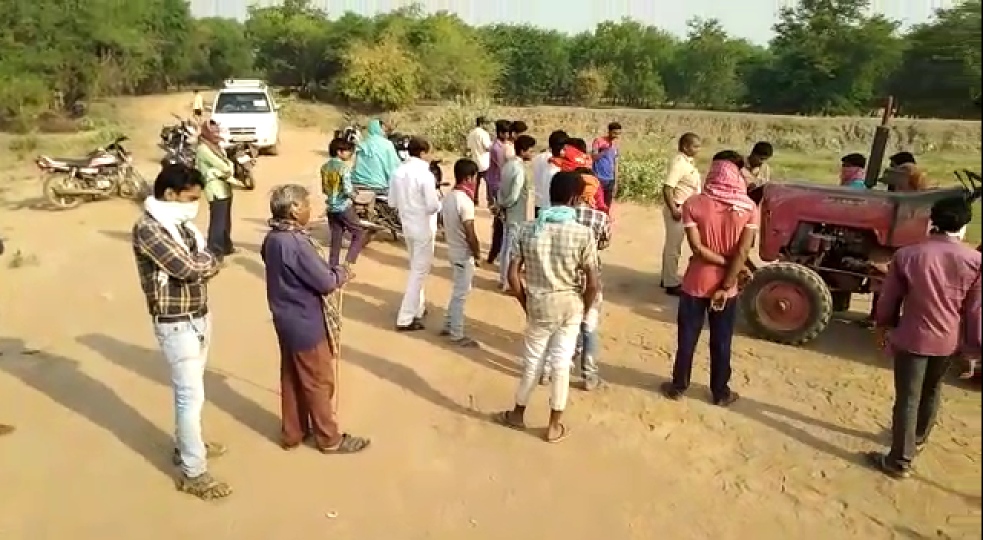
720	225
575	158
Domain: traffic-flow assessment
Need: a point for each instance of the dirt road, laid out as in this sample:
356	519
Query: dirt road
81	377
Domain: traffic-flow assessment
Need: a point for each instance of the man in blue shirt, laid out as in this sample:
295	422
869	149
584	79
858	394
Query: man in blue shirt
604	152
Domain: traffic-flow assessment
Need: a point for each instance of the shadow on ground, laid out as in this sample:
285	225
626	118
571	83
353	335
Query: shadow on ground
151	365
64	382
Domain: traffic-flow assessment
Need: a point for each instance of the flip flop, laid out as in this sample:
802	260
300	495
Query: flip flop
563	434
503	418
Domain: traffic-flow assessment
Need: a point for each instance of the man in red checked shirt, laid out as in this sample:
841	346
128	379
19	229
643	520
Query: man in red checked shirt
720	225
938	321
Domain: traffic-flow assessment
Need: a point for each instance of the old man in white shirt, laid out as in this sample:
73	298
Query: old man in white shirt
413	192
479	147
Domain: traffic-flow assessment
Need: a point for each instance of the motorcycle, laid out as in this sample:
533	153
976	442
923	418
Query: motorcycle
178	142
105	172
375	213
243	158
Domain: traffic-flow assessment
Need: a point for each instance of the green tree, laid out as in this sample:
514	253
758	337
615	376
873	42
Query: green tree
708	65
222	51
830	57
291	42
535	63
454	61
637	56
940	74
590	85
380	75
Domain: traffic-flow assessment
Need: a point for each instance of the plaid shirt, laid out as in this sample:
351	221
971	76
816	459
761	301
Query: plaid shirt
553	261
596	221
172	279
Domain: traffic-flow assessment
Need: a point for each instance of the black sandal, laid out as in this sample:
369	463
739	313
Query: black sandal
412	327
349	444
504	418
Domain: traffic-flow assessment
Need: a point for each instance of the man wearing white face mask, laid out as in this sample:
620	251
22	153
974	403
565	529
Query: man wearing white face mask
174	268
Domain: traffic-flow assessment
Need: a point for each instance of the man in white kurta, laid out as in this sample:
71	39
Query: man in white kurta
413	192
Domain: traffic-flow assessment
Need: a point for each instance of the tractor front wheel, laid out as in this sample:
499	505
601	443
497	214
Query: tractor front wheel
787	303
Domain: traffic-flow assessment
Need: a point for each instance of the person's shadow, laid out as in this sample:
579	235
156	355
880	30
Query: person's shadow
62	380
150	365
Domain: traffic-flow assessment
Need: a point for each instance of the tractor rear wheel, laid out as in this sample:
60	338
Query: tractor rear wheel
787	303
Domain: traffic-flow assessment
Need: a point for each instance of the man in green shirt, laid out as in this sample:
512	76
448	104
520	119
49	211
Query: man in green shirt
217	170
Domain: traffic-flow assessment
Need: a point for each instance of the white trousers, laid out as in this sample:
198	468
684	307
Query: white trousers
420	252
549	344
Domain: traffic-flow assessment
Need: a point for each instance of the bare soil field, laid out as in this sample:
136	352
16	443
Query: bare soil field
81	377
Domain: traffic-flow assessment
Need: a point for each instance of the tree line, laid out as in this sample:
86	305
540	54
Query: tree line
826	57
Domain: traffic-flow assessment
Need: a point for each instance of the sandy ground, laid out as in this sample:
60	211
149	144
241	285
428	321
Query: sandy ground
81	377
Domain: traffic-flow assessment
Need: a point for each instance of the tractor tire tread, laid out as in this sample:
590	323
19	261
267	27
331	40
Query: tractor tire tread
819	319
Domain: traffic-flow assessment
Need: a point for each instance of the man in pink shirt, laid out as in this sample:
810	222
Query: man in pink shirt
720	225
938	284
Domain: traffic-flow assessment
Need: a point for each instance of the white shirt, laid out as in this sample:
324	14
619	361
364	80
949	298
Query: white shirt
413	192
457	209
479	142
684	178
542	175
199	103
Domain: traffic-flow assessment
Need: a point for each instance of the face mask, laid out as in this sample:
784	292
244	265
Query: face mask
185	211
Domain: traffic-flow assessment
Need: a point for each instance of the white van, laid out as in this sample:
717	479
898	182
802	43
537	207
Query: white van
246	112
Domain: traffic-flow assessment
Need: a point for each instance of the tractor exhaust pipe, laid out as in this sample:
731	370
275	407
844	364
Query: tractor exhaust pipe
879	146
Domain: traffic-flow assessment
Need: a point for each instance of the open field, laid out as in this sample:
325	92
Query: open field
81	377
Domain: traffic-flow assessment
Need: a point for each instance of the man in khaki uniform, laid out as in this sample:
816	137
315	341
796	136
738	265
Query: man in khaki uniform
682	182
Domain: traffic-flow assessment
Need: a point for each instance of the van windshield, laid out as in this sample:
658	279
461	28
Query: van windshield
242	102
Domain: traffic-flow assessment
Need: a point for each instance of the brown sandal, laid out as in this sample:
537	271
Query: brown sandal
205	487
349	444
504	418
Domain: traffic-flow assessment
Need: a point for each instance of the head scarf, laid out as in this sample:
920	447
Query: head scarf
914	178
572	159
211	135
553	214
592	195
849	173
375	158
725	183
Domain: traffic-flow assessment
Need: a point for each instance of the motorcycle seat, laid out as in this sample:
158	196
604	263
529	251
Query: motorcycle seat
364	197
70	162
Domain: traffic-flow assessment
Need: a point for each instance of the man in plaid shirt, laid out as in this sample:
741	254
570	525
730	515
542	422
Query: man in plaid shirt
174	268
600	224
559	257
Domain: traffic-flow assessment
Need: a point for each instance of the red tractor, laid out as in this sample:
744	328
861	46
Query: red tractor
825	243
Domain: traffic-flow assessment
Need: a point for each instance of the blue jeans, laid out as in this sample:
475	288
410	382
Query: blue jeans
462	276
693	311
185	347
509	232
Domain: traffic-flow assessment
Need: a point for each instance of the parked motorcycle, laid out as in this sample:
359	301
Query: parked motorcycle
105	172
178	142
375	213
243	157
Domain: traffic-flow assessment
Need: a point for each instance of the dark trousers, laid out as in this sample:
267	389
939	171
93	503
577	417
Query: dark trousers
307	388
498	235
220	227
607	188
693	311
917	395
535	214
339	223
